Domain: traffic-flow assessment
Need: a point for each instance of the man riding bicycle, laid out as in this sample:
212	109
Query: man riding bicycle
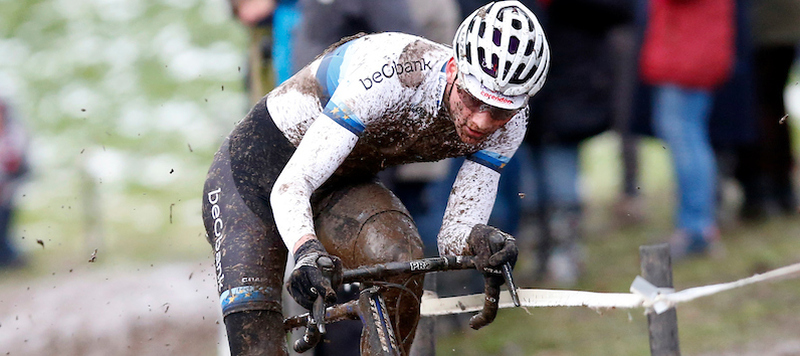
297	176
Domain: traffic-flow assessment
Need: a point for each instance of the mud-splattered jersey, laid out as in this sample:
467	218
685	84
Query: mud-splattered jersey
375	102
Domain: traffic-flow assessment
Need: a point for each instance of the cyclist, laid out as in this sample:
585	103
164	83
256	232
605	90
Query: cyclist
296	177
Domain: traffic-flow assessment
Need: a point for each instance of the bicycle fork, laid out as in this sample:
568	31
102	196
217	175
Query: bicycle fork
377	324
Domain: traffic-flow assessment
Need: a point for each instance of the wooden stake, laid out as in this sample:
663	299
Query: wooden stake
656	266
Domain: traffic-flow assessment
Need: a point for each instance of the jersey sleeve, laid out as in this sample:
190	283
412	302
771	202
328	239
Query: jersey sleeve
475	188
324	147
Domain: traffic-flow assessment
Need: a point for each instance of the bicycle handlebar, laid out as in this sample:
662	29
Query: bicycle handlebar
316	319
421	266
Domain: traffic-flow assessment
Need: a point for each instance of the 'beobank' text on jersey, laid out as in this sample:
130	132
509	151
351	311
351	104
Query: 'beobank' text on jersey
374	102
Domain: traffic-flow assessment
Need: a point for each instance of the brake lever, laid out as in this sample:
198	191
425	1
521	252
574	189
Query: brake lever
314	328
316	318
512	287
318	314
327	267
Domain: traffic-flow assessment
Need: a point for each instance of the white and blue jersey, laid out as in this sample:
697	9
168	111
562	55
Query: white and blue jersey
375	102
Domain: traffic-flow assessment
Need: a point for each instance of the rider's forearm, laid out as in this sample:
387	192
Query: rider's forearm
471	201
292	211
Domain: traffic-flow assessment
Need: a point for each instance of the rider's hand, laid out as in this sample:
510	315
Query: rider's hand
315	273
491	248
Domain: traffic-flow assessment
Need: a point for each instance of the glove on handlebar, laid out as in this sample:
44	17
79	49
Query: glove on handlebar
315	273
491	248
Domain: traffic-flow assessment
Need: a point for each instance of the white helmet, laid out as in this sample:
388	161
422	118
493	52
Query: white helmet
502	45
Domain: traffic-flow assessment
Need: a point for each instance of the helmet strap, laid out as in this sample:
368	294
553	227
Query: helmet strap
449	95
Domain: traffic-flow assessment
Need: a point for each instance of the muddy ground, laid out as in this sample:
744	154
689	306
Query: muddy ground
149	310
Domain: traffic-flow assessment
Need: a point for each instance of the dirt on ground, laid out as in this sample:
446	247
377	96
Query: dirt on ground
148	310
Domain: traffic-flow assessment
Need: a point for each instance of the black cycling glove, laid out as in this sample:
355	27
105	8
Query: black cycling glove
315	273
491	248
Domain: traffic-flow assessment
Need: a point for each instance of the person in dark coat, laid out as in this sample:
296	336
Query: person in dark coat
577	104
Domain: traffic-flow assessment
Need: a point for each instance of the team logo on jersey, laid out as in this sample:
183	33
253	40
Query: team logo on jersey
216	214
389	70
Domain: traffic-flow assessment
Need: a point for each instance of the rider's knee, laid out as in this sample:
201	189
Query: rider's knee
388	236
367	224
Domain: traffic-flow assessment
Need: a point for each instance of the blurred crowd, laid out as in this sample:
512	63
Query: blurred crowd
13	169
706	77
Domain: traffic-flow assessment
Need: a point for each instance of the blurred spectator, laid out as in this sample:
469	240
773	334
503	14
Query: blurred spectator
575	104
732	124
765	168
13	167
686	54
270	24
437	20
324	22
629	207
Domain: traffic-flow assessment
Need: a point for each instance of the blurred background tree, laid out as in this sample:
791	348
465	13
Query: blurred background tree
126	101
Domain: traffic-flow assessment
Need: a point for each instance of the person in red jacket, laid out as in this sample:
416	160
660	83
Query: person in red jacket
687	52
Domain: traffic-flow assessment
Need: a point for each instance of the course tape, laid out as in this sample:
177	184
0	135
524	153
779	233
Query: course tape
643	295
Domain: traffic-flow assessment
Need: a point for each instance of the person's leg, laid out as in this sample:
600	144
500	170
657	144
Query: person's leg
681	119
561	174
285	19
8	257
776	158
563	213
249	254
624	45
249	261
365	224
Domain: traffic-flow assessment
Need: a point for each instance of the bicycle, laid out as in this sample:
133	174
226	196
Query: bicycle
370	307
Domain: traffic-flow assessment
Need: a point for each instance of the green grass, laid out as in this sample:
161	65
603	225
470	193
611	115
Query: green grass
720	322
726	321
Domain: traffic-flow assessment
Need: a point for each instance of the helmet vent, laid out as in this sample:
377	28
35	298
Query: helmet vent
496	35
529	48
529	75
481	29
513	45
490	69
516	24
515	78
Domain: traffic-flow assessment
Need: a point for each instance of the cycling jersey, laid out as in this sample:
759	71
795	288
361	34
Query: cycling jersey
374	102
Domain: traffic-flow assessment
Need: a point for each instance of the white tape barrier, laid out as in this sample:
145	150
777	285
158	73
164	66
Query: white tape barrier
643	295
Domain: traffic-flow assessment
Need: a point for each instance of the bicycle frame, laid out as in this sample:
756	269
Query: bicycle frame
371	308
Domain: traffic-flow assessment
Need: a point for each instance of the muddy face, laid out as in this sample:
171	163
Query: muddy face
474	121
